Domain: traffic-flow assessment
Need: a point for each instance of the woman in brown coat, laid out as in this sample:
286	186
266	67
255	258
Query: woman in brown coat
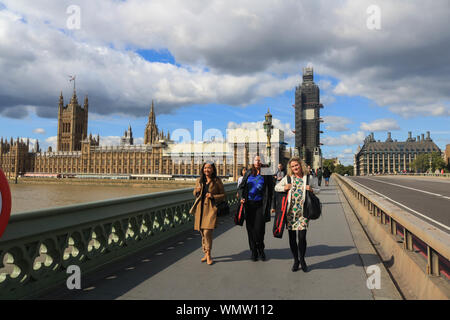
209	192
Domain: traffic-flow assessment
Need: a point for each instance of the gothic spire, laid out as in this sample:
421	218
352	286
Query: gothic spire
61	100
152	117
74	99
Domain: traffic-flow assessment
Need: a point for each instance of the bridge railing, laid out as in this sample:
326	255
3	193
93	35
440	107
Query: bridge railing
444	175
38	247
417	234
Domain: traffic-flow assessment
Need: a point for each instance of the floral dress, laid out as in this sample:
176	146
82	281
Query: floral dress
295	219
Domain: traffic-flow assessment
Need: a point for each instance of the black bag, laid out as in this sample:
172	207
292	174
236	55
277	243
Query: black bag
312	208
239	216
280	212
223	208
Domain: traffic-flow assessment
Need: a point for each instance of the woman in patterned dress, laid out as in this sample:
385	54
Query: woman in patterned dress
296	223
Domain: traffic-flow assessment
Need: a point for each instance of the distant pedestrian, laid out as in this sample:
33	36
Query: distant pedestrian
319	176
310	171
209	192
256	192
280	173
326	175
296	223
243	171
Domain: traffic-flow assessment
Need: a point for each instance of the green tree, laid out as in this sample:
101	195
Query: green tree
422	162
328	163
342	170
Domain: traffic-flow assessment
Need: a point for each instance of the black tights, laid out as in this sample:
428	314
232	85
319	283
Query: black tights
301	247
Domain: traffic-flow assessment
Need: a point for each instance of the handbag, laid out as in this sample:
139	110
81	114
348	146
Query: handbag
280	212
312	208
223	208
239	216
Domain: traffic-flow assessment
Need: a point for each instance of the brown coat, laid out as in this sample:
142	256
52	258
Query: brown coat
209	217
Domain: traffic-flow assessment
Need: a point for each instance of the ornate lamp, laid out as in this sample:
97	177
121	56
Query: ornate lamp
268	128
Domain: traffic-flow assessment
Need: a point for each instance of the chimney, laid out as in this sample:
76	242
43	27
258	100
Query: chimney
418	138
409	135
423	137
428	135
371	135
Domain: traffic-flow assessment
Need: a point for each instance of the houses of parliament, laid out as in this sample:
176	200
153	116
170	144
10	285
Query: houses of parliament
80	154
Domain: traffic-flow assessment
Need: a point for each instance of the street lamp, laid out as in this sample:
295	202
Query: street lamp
268	128
431	169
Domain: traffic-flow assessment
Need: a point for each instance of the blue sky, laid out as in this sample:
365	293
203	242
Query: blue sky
226	62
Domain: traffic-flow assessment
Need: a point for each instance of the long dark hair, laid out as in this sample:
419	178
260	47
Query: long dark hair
214	173
253	168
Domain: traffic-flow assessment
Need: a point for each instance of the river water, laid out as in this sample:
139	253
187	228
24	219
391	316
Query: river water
28	197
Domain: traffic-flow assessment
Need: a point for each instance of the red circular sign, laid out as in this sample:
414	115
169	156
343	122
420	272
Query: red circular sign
5	207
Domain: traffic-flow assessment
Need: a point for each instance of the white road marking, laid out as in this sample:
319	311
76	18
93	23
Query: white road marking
418	213
399	185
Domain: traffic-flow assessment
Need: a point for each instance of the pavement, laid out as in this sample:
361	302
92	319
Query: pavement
428	199
338	254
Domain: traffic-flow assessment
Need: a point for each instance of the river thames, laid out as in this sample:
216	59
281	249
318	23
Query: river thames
28	197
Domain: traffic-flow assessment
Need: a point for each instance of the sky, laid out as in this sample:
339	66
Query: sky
381	66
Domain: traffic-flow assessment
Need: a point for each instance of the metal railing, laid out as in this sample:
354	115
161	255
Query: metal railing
417	234
444	175
38	247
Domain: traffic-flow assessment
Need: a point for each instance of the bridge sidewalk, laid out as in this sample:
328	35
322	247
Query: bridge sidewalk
174	271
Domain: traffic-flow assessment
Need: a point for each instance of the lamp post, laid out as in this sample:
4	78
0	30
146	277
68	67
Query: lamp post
431	168
268	128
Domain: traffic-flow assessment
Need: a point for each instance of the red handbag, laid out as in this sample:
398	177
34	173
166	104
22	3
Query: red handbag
239	216
280	212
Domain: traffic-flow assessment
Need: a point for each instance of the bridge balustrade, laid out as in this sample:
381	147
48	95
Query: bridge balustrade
416	235
38	247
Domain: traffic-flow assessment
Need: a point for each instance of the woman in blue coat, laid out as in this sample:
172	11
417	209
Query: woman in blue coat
256	192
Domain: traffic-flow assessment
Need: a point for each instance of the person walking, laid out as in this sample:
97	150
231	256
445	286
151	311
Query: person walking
280	173
243	171
319	176
209	192
256	192
296	223
326	176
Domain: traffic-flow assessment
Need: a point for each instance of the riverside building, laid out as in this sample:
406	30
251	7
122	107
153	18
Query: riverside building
391	156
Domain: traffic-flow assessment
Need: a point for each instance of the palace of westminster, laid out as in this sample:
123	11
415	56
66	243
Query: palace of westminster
80	155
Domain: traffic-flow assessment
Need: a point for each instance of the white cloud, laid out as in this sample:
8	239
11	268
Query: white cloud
336	123
345	139
380	125
49	142
348	151
39	131
228	52
109	140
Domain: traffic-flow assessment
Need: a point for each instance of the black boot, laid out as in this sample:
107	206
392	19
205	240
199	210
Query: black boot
262	254
303	264
254	255
295	266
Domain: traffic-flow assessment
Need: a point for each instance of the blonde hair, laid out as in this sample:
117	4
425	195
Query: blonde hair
300	162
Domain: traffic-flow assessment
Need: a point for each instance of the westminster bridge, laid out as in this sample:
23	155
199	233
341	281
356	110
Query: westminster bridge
144	247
